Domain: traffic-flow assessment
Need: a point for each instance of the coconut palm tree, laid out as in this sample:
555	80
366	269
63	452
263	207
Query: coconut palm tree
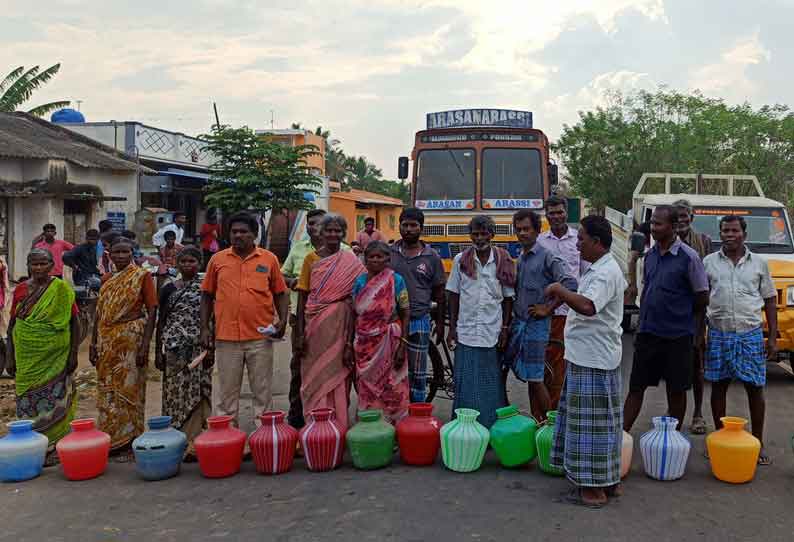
18	86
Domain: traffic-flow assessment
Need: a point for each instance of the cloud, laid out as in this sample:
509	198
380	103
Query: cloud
729	76
369	70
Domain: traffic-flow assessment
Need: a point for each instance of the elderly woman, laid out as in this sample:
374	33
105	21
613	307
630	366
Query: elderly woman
125	317
43	351
187	389
380	300
325	321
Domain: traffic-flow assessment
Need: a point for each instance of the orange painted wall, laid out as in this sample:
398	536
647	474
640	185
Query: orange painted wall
347	209
317	161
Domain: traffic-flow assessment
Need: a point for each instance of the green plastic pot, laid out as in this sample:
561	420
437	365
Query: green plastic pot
544	439
464	441
513	437
371	441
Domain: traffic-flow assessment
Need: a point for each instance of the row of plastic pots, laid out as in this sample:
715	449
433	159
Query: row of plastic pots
516	440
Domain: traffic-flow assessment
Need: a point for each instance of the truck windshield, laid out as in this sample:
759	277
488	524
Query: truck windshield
512	174
445	174
767	228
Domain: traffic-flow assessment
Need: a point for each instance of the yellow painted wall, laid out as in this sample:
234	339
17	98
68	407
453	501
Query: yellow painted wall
386	217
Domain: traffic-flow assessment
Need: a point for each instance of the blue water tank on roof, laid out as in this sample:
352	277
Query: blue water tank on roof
67	116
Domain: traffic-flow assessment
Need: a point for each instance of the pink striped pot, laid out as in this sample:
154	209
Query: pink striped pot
323	440
273	444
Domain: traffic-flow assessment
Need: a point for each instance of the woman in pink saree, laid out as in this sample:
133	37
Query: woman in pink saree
380	299
325	321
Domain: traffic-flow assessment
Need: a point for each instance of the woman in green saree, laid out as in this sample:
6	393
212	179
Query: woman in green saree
42	354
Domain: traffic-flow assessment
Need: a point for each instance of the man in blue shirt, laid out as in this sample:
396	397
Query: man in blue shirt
673	303
529	333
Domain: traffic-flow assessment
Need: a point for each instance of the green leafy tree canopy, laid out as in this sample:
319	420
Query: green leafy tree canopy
608	149
251	173
18	86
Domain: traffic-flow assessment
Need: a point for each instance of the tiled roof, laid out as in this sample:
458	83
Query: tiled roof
27	136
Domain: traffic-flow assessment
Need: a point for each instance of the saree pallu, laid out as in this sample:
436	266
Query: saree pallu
325	380
378	333
121	384
41	335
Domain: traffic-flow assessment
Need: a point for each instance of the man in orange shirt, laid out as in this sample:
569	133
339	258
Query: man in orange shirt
244	287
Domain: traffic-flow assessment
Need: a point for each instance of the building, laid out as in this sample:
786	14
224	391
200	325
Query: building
49	174
180	163
356	205
296	138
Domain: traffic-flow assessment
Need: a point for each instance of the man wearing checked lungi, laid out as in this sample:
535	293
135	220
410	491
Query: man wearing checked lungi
532	311
588	433
740	287
481	288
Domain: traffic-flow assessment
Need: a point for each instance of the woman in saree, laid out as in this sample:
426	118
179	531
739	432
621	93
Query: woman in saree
325	321
42	353
125	317
380	300
187	390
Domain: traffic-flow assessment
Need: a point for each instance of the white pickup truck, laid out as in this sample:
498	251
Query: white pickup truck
713	196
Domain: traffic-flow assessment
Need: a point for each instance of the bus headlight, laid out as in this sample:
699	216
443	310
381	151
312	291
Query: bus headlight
790	296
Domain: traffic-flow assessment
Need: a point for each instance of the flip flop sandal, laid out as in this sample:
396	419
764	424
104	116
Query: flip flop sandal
574	496
698	426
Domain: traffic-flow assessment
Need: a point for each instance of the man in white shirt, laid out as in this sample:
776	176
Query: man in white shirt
177	226
740	287
481	287
588	434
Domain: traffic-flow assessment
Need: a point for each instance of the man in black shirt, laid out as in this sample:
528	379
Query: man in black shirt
83	261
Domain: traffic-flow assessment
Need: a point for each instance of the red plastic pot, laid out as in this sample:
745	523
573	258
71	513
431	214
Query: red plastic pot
220	448
323	440
83	453
273	444
418	435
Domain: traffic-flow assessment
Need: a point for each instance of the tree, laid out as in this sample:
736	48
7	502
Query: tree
606	152
251	173
361	173
18	86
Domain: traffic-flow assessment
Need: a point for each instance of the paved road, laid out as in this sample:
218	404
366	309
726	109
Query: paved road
416	504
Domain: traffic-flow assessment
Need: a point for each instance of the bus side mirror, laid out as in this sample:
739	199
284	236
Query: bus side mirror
402	167
554	178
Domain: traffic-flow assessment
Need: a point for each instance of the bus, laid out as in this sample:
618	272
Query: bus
477	161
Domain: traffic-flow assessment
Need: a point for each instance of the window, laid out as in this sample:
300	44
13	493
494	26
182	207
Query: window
767	229
512	174
445	174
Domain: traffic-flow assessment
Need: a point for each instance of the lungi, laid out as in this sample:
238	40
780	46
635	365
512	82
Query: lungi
588	435
731	355
418	345
478	381
526	350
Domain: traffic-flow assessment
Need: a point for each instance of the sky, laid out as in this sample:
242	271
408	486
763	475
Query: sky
369	70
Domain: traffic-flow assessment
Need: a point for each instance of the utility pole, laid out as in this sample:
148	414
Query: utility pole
217	119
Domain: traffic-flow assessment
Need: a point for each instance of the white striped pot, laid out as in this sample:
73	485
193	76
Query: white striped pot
464	441
664	450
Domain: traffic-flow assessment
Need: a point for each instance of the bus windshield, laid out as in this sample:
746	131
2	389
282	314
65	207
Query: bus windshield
512	174
767	228
445	174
